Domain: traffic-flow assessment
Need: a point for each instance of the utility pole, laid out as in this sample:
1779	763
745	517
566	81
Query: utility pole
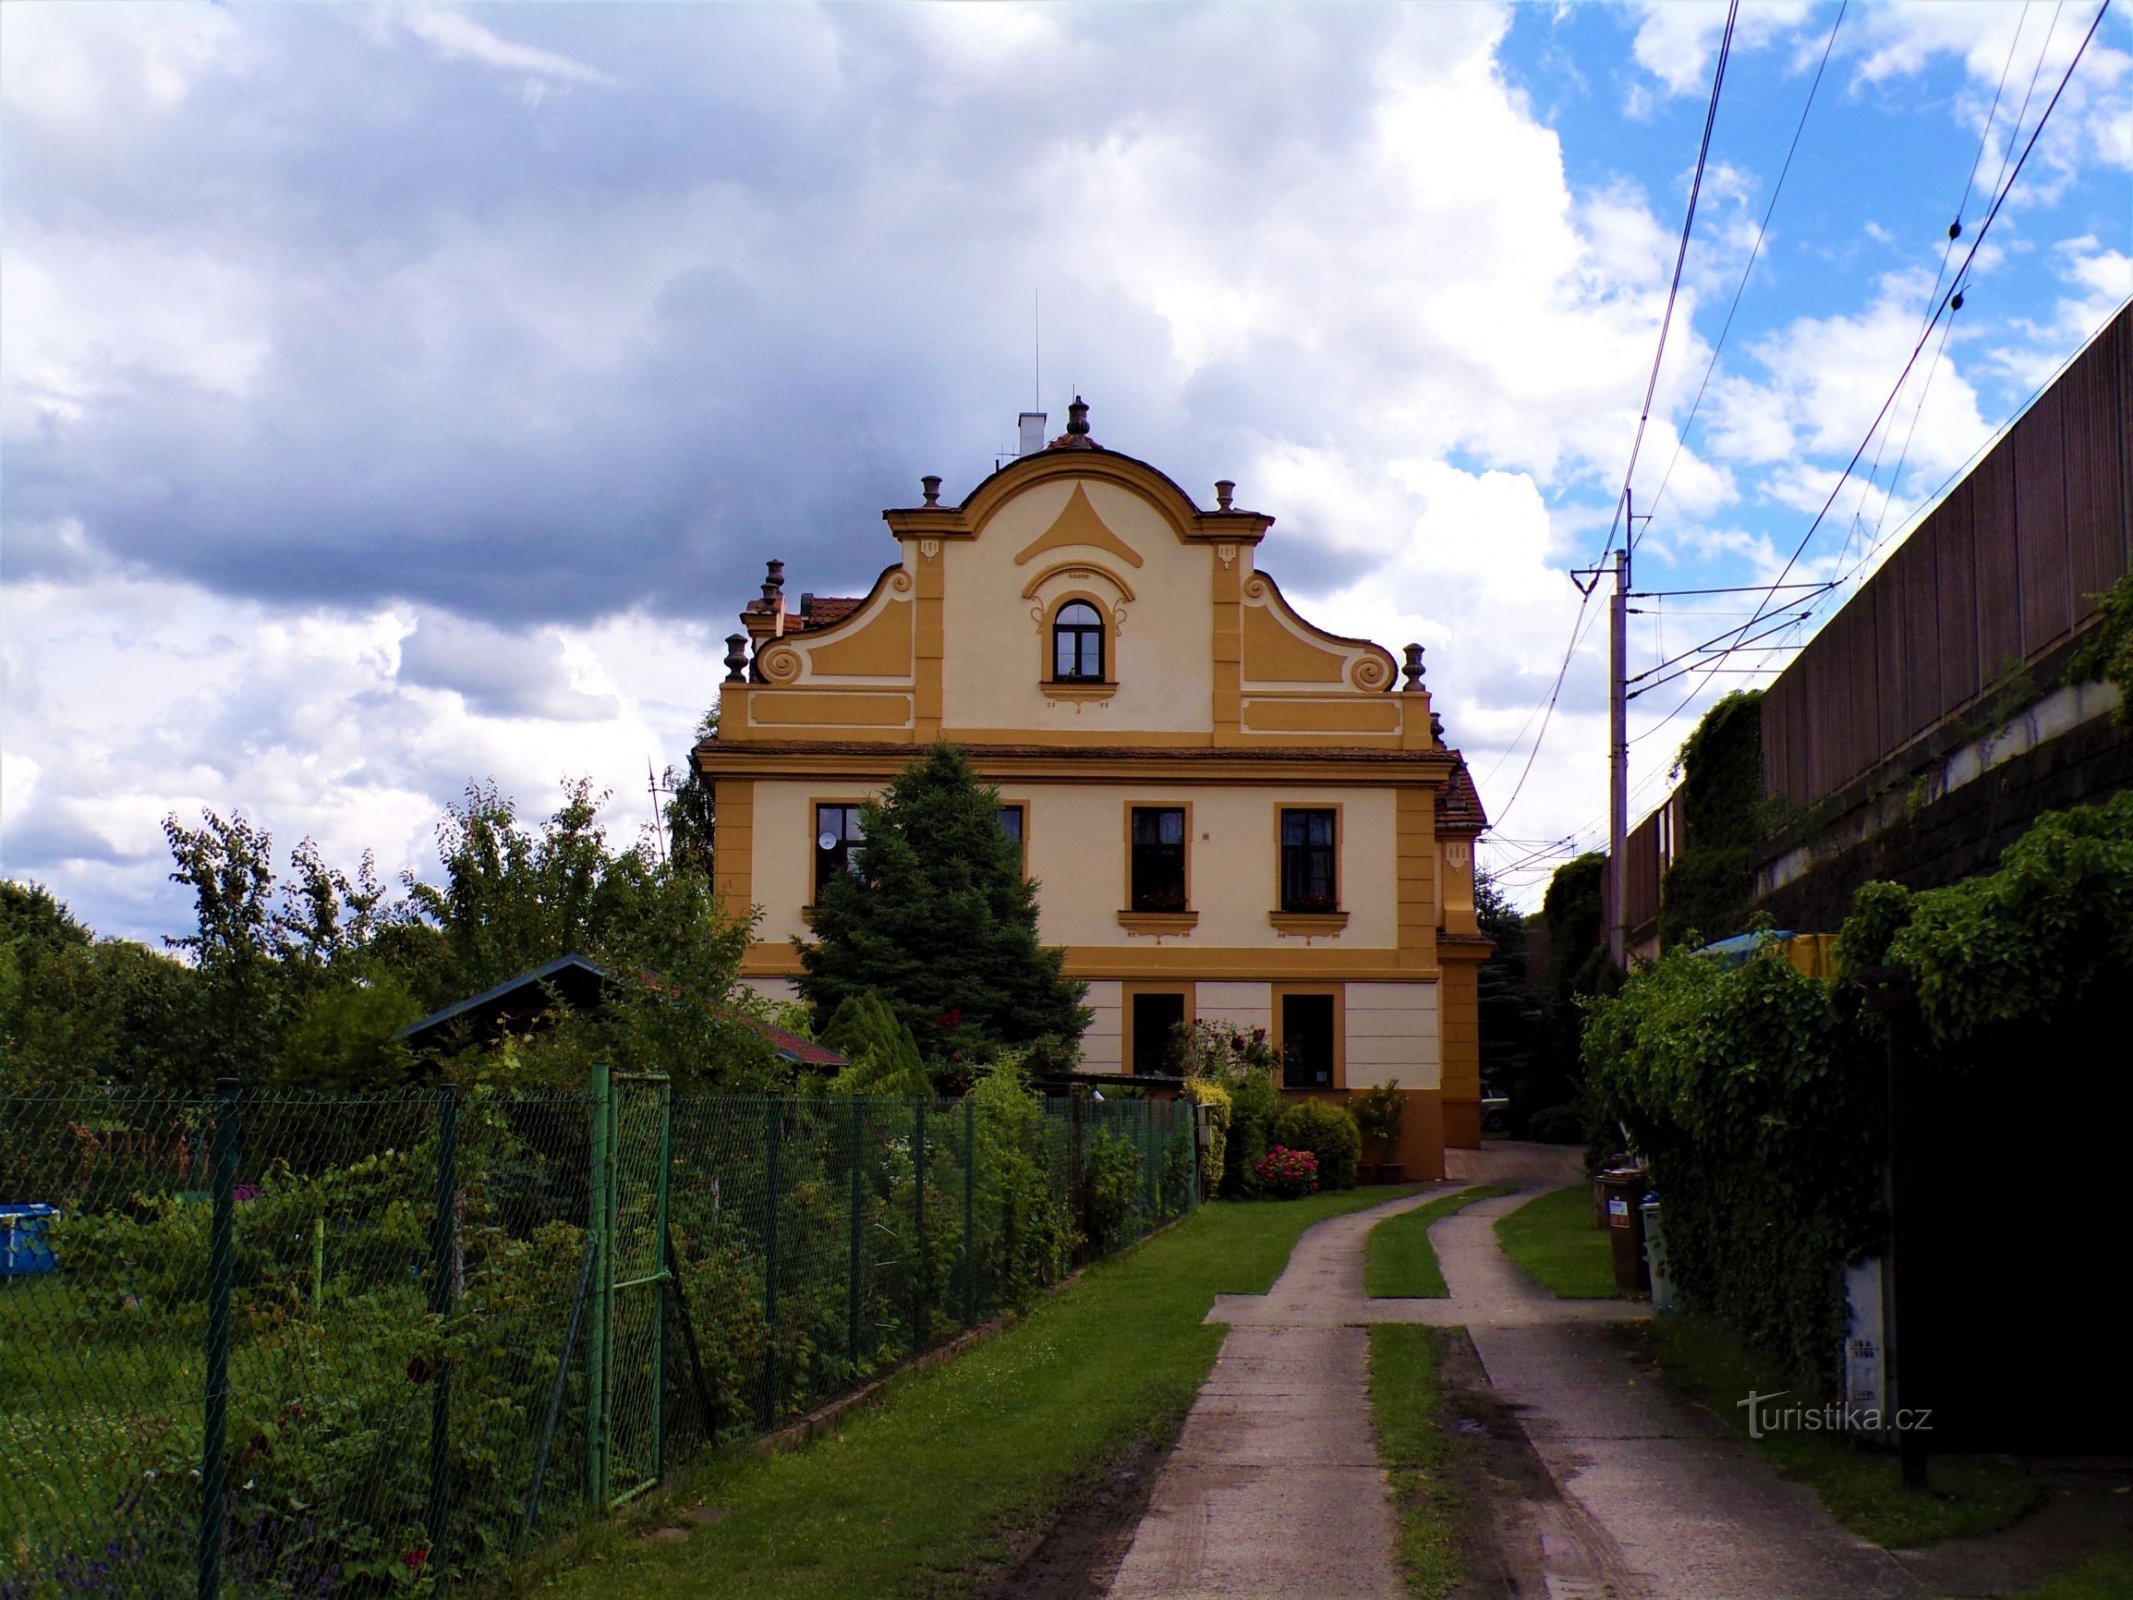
1618	757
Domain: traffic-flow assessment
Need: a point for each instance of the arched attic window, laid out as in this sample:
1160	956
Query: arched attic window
1078	644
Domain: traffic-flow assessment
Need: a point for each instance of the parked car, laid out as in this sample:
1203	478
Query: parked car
1495	1110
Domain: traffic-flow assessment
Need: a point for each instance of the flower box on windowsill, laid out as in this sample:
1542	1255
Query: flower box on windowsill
1307	924
1159	923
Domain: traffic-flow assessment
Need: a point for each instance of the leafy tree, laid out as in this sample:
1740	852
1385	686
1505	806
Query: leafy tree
345	1040
228	864
77	1011
938	919
692	813
1547	1097
1510	1010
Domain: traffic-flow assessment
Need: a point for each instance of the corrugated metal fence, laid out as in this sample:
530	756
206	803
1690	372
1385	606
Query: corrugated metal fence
1996	577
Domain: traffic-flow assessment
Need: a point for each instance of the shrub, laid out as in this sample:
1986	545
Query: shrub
1113	1181
1287	1174
1761	1113
1206	1092
1254	1104
1329	1133
1380	1112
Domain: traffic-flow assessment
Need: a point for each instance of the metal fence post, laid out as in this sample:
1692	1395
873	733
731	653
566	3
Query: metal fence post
214	1504
668	1280
970	1212
444	1300
1077	1186
599	1218
858	1221
772	1131
924	1276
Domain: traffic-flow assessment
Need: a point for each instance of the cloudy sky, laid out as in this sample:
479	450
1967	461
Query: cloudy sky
395	395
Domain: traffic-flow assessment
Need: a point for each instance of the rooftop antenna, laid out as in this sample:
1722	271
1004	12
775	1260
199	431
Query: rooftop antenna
655	788
1036	345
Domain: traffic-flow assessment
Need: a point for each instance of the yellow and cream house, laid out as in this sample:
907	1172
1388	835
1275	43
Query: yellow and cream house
1232	813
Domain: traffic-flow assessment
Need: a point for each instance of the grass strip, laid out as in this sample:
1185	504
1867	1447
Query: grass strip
1399	1263
951	1468
1554	1240
1860	1485
1417	1454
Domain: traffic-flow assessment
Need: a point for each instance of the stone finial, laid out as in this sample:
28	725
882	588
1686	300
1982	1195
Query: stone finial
1436	727
931	484
1078	416
736	658
1412	672
1225	494
773	581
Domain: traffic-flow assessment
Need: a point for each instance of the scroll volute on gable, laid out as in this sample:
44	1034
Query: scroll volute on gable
1281	648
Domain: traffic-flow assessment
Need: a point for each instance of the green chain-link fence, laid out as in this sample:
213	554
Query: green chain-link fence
278	1345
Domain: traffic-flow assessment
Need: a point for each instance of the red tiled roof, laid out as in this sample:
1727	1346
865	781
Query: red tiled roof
1459	808
820	610
805	1051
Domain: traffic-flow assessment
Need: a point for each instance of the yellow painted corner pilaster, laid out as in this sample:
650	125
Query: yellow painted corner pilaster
931	635
1415	874
733	860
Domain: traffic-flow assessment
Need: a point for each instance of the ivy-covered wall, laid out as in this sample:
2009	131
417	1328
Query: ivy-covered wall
1759	1098
1708	887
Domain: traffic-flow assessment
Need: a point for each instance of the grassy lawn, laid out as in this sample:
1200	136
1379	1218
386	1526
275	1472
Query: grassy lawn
1970	1494
918	1491
1398	1261
1416	1453
2107	1575
1554	1240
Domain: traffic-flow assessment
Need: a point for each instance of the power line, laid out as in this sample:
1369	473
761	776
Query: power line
1754	253
1666	321
1578	629
1946	304
1681	256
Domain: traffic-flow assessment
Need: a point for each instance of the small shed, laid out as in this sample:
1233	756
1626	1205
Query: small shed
583	985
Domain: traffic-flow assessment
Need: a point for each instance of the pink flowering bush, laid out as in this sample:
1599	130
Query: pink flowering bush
1287	1174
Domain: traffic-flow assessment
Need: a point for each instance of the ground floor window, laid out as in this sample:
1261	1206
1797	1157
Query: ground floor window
1156	1018
1307	1041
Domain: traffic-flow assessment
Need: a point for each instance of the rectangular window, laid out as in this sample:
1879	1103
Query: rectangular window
1158	858
1310	876
837	840
1156	1019
1012	823
1307	1041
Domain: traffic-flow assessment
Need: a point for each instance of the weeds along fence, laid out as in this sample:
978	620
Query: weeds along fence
275	1345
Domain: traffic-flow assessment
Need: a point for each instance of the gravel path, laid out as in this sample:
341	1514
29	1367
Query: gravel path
1274	1490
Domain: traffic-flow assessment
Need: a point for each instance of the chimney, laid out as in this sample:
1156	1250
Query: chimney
774	595
1031	424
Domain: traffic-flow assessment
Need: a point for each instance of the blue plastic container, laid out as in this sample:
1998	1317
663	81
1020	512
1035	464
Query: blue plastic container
25	1247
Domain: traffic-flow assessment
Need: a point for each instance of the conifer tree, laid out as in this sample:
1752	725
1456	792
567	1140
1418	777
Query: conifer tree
937	919
883	1054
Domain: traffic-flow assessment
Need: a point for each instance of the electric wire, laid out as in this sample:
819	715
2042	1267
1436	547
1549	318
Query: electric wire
1984	228
1681	256
1754	254
1703	152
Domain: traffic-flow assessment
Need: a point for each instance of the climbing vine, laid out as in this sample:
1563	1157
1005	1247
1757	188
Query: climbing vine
2107	654
1723	822
1758	1096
